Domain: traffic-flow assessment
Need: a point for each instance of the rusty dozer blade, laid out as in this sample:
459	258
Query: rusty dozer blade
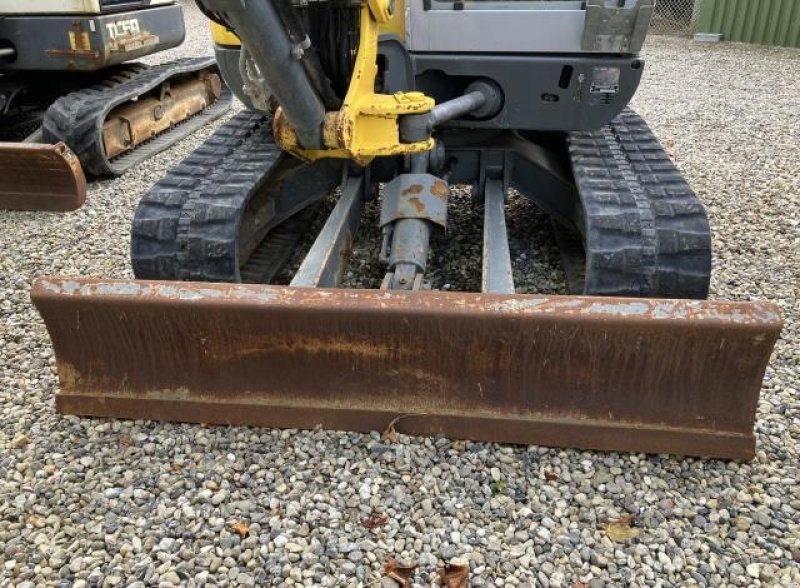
660	376
40	176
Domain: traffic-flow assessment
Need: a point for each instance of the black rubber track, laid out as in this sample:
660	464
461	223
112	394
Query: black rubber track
77	118
645	232
229	211
18	127
277	247
164	236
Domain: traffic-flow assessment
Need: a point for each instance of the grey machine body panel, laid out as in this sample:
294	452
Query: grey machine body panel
527	26
561	65
88	43
540	92
228	62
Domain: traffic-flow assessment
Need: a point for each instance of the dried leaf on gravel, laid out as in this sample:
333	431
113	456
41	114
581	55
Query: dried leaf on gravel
398	572
389	433
579	584
20	442
455	576
241	529
621	531
551	477
126	440
375	520
672	149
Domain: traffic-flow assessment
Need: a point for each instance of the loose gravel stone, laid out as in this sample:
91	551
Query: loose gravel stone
87	502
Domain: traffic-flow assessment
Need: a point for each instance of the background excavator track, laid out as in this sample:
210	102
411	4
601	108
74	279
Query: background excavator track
77	118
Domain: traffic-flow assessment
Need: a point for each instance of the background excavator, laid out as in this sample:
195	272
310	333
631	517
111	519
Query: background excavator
73	104
393	102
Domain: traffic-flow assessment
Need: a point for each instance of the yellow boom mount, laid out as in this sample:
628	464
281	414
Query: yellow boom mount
367	124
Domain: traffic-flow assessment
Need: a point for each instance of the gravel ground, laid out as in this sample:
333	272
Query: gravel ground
94	502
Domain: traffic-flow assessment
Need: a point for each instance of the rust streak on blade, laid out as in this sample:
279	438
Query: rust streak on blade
40	176
601	373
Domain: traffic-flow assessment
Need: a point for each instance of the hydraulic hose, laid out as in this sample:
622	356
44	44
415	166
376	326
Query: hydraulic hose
262	32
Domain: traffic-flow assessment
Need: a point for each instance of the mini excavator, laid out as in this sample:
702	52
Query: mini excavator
393	102
73	103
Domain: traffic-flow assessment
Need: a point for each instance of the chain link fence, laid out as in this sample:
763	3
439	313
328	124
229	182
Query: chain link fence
675	17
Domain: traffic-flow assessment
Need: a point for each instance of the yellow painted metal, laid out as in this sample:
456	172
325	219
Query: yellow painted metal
367	124
83	40
224	36
381	10
396	25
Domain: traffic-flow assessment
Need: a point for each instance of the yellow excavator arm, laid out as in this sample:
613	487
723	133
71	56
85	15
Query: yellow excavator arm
367	124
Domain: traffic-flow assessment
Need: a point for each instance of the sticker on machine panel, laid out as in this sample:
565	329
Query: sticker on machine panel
605	80
123	28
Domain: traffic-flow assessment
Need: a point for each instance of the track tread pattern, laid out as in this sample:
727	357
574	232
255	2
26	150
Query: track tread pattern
77	118
275	250
186	226
645	232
